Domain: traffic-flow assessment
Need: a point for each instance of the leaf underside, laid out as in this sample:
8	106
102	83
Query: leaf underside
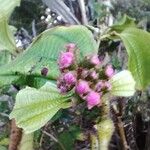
123	84
35	107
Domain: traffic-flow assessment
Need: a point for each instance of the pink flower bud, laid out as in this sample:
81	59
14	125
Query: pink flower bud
108	85
82	87
84	73
61	85
109	71
63	89
99	86
70	47
95	60
93	99
94	75
70	78
65	60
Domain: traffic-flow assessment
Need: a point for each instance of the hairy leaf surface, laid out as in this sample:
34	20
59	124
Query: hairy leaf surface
137	43
35	107
44	52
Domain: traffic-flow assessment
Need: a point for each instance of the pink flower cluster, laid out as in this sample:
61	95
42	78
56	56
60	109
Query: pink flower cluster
89	79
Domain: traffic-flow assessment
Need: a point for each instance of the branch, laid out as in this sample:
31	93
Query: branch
83	11
54	139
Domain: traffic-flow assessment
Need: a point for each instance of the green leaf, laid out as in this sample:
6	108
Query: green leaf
137	43
7	7
123	84
7	41
4	142
35	107
124	23
3	148
5	57
68	138
44	52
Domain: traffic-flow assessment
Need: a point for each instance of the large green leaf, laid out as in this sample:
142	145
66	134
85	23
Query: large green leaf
123	84
5	57
35	107
7	41
6	7
137	43
124	23
44	52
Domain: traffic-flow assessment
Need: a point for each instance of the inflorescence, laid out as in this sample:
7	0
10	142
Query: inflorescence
88	78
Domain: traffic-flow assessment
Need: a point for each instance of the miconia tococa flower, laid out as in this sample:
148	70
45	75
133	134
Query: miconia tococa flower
94	60
99	86
63	89
108	85
94	75
93	99
103	85
65	60
69	78
84	73
109	71
82	87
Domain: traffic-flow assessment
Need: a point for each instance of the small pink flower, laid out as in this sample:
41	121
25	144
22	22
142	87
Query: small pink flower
93	99
63	89
61	85
109	71
95	60
108	85
94	75
84	73
70	78
65	60
82	87
70	47
99	86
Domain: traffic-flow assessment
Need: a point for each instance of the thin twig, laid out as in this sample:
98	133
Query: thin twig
33	29
122	134
83	11
117	109
54	139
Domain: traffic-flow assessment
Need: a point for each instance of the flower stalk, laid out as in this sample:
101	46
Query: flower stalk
105	129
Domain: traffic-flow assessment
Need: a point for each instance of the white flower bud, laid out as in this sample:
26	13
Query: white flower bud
42	17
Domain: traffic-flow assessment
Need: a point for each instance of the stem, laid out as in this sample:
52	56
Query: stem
105	129
122	134
105	36
119	126
26	142
15	136
83	12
